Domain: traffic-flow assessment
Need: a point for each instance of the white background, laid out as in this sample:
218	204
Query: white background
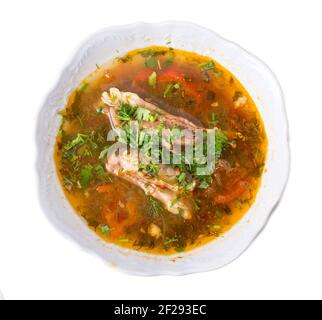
38	38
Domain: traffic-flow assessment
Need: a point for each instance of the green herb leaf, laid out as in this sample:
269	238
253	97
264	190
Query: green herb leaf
169	241
214	119
221	142
197	204
151	62
79	140
100	171
204	185
181	178
82	87
86	175
151	52
167	90
176	86
208	66
190	186
205	182
152	80
104	228
104	152
153	207
143	114
168	63
174	202
152	169
126	112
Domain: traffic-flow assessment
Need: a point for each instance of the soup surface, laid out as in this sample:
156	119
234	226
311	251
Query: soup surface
157	208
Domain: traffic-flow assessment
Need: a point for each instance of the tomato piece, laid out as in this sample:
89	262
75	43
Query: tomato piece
236	191
173	74
142	76
120	220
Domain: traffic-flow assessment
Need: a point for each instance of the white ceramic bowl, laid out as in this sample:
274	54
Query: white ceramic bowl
253	74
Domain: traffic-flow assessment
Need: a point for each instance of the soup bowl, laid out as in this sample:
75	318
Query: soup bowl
255	76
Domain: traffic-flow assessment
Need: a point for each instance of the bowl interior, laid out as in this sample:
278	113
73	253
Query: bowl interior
258	80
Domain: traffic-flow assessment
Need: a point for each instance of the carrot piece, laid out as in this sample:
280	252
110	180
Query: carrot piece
105	188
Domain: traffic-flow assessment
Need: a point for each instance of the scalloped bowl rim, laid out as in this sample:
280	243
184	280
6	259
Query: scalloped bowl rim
255	76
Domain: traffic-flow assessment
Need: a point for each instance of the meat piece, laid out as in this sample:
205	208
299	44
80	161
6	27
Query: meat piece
115	98
163	187
127	167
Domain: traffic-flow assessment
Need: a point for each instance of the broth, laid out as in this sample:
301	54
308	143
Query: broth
184	84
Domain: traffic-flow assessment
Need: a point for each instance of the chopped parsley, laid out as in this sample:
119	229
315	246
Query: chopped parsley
83	86
79	140
151	62
126	112
152	80
99	110
150	52
208	66
105	229
86	175
104	152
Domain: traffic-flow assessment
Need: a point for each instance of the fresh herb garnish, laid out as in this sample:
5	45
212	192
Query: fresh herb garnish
79	140
82	87
100	172
86	175
104	228
126	112
104	152
81	120
151	62
197	204
150	52
152	169
174	201
180	249
169	241
124	59
221	142
208	66
99	110
152	80
153	207
169	89
168	63
143	114
182	178
214	119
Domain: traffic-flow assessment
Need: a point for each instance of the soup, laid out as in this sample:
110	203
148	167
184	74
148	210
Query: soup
155	206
